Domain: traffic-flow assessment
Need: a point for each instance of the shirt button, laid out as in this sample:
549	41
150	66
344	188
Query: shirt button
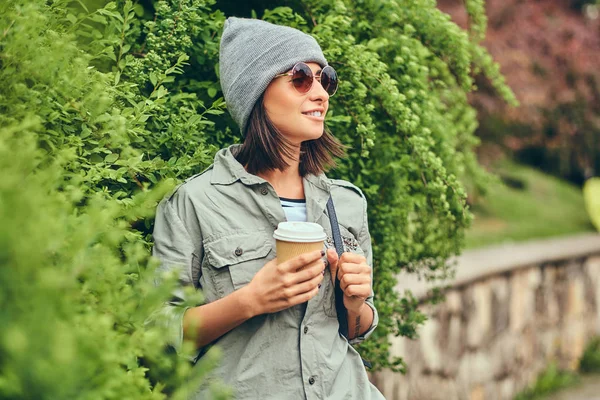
311	380
238	252
305	329
264	191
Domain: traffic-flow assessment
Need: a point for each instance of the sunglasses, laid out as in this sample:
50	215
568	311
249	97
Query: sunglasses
303	78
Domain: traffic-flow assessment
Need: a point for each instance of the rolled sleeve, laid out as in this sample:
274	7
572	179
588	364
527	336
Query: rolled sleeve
364	239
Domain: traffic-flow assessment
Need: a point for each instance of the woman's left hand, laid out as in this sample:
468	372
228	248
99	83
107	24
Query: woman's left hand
355	277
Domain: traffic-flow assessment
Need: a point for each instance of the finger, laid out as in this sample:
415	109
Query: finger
332	258
301	261
352	258
309	272
303	297
354	279
360	291
352	268
304	287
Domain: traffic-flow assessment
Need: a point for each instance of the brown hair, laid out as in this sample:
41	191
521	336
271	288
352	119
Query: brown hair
266	148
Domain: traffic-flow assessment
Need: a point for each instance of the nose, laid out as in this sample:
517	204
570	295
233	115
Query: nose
318	92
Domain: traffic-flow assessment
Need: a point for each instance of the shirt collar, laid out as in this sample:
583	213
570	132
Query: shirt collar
226	170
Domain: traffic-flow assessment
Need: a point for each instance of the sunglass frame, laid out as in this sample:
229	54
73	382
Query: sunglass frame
312	76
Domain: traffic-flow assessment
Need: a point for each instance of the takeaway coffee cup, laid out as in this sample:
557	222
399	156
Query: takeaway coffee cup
295	238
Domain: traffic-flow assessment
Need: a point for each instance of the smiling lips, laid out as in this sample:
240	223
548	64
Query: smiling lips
314	113
318	114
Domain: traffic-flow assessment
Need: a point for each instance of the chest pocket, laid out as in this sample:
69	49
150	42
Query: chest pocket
233	260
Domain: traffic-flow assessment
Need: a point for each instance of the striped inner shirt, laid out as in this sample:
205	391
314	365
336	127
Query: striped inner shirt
294	209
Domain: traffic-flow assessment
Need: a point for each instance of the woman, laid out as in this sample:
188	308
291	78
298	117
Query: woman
276	325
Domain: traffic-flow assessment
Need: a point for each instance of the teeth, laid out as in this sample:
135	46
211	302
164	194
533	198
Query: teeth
314	113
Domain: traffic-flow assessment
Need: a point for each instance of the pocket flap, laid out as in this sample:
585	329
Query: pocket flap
237	247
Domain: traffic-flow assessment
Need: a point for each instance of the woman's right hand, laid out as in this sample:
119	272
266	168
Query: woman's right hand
277	287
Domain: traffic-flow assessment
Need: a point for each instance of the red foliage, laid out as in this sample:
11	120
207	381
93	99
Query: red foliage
549	52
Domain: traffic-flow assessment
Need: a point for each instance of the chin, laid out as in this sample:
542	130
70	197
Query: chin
312	136
306	135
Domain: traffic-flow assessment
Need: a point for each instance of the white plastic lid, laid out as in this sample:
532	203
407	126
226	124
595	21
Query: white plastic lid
303	232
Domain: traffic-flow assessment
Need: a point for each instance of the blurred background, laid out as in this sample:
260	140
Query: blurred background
545	149
521	318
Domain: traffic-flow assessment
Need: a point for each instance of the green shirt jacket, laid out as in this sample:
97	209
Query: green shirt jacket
217	229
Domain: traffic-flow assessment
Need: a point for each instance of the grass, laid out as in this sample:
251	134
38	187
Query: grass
527	204
590	361
550	381
553	380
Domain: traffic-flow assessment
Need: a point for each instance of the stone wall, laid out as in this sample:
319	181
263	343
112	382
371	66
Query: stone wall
502	322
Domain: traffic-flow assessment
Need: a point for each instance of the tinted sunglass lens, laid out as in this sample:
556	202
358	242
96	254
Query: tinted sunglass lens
329	80
302	77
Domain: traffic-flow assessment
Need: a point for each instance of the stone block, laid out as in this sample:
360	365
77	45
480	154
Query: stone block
477	393
398	347
592	270
454	348
500	305
393	385
479	322
432	387
475	368
548	344
525	347
453	301
506	389
502	353
455	336
574	337
413	354
428	338
575	298
521	300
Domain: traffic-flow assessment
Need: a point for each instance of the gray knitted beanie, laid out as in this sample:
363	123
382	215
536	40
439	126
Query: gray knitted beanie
252	53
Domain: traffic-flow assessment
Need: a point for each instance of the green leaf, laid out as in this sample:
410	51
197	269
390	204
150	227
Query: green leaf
71	18
139	10
111	158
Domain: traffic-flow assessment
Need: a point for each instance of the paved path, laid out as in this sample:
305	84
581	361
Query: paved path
587	389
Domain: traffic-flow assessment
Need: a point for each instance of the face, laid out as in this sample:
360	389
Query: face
291	111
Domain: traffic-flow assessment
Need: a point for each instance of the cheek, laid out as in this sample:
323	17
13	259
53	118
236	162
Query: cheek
282	116
283	112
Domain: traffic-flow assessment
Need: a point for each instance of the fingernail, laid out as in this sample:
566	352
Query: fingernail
323	272
322	253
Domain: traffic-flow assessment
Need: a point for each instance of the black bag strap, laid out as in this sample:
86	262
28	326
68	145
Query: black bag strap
342	313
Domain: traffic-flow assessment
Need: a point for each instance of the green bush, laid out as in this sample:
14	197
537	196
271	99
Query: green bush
590	361
101	102
77	286
551	380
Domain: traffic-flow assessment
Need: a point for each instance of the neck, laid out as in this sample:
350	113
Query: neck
287	183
